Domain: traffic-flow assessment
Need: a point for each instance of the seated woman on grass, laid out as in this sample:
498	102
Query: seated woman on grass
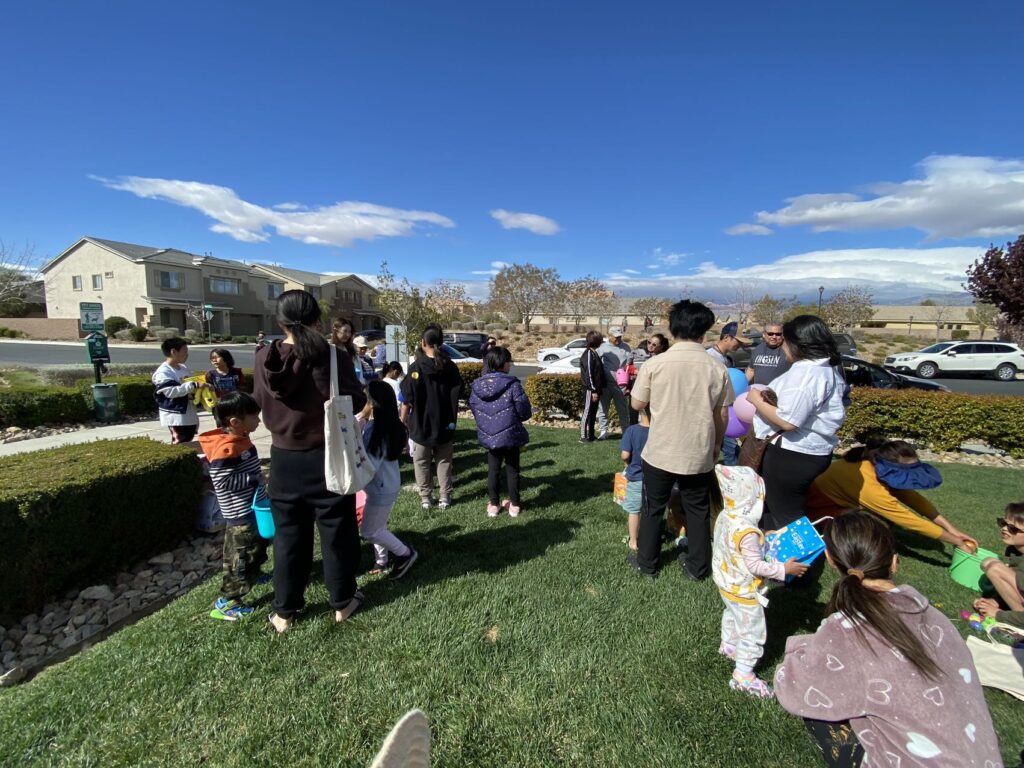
884	477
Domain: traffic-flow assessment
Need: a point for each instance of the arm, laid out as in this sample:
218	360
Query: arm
753	558
174	391
769	413
949	532
640	394
806	687
750	373
626	457
403	414
721	417
524	410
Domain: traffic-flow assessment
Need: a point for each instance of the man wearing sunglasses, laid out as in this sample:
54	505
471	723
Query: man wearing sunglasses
767	360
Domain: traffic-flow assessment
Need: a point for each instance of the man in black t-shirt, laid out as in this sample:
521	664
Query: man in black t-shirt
767	360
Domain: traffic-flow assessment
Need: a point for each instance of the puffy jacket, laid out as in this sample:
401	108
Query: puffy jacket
592	371
500	406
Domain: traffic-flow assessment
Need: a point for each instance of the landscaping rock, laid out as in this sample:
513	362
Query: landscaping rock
99	592
118	613
9	658
32	641
8	645
164	559
16	675
15	633
190	578
90	629
78	620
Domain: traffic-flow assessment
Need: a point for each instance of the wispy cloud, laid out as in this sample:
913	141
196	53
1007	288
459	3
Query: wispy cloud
532	222
663	258
748	229
340	224
957	196
496	267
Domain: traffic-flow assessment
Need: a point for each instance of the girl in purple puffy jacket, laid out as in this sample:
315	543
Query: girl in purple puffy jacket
500	406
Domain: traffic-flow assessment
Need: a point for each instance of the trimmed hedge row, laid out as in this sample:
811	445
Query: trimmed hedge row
74	515
469	372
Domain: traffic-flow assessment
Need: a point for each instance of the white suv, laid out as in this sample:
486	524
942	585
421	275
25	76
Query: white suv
993	357
573	348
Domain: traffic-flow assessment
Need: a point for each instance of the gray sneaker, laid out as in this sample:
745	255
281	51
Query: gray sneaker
403	564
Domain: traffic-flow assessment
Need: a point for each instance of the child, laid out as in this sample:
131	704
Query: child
384	438
740	572
237	477
224	377
632	445
1008	579
500	406
393	375
594	380
886	679
173	394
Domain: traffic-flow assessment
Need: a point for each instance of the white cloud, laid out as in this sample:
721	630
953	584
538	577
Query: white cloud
631	271
539	225
748	229
496	267
958	196
663	258
340	224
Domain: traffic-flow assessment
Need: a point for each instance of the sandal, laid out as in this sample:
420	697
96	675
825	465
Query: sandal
378	569
273	618
353	605
752	685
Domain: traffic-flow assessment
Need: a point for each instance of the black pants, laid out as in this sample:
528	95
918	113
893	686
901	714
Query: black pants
695	494
298	499
787	479
838	743
589	415
510	456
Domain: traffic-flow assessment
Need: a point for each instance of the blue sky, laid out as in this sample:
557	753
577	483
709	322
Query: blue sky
624	141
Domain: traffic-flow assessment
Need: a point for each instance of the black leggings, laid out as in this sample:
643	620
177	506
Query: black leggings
510	456
839	745
787	479
589	415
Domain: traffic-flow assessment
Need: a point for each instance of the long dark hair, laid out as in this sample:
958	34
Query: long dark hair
388	437
225	355
883	448
810	339
858	541
337	325
433	336
299	313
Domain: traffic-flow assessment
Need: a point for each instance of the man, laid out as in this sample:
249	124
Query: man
689	396
615	353
728	342
767	360
364	371
380	356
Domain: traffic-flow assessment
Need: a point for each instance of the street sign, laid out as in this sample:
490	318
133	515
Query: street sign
394	339
208	314
91	314
96	346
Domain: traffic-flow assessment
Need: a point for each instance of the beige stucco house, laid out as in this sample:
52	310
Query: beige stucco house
349	296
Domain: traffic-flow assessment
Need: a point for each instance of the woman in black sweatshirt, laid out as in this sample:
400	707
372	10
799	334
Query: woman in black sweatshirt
594	381
292	381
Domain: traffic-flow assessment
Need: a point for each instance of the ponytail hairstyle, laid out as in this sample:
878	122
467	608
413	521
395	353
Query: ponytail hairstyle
810	339
883	448
862	547
299	313
433	337
388	436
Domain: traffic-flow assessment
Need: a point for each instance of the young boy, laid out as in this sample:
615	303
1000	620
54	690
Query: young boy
632	445
1007	578
236	476
174	394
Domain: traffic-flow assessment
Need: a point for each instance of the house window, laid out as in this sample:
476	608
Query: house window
170	281
359	298
76	283
315	290
108	275
97	282
226	285
274	290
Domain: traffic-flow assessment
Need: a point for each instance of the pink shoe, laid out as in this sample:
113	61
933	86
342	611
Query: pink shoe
751	684
492	510
513	510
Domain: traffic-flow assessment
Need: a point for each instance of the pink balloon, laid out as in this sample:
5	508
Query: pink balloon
759	386
744	409
735	427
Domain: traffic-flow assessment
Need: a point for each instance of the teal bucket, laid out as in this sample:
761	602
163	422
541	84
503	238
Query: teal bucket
965	569
264	518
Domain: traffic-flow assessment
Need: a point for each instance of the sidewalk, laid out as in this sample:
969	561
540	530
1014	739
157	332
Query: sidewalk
151	429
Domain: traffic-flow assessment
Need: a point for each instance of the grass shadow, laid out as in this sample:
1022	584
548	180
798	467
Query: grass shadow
790	612
919	548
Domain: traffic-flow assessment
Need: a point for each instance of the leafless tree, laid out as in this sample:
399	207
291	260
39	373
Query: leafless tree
19	269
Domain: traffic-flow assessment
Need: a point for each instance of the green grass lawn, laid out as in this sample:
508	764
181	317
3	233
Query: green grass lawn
527	642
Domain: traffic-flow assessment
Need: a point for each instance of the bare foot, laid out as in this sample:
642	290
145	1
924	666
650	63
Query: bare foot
280	625
350	608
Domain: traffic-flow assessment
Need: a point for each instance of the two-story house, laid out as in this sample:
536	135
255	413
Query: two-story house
348	296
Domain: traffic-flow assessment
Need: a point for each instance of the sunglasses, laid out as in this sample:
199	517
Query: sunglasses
1013	530
773	334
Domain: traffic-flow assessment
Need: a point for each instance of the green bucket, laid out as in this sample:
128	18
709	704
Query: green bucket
966	568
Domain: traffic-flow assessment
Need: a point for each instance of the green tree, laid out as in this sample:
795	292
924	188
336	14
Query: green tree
928	303
796	309
984	315
768	310
402	304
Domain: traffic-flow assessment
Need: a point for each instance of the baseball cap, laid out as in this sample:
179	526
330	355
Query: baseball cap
360	341
733	329
615	331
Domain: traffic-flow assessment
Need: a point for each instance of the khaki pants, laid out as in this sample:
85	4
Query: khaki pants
422	457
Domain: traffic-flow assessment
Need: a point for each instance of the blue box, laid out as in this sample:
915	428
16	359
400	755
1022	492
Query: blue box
797	540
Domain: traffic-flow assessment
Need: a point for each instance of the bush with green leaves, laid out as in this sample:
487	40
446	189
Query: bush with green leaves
75	515
550	392
10	333
135	394
116	323
469	372
124	335
28	408
139	333
71	375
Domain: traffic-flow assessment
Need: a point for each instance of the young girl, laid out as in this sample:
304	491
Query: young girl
741	573
886	679
384	438
500	406
1008	579
224	377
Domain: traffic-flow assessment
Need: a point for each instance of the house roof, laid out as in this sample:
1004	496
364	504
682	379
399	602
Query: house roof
308	278
140	253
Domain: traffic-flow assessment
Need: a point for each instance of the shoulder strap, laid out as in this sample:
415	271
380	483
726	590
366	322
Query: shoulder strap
334	370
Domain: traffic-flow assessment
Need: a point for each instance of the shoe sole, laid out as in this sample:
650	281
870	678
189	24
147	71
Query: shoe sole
399	573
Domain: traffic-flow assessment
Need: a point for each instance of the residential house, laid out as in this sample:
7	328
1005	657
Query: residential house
922	318
348	295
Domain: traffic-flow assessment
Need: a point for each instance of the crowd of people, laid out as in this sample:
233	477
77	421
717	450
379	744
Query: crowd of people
886	674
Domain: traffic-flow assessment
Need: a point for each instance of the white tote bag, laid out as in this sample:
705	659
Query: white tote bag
347	468
999	666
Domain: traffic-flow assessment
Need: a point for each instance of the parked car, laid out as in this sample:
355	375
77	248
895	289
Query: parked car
550	354
741	357
457	357
861	373
372	335
565	365
467	342
1000	359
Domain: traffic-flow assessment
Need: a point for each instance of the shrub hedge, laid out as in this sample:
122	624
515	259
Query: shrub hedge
74	515
27	408
138	333
470	372
554	392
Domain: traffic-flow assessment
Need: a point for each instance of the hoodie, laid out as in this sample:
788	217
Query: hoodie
234	471
500	406
431	388
899	716
292	392
174	395
737	557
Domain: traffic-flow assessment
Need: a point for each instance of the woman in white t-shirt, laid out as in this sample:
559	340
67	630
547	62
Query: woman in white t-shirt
810	411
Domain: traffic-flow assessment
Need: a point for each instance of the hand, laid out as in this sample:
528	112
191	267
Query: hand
754	396
967	544
594	397
986	607
793	568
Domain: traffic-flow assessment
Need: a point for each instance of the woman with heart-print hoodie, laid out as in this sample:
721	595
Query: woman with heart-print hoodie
886	679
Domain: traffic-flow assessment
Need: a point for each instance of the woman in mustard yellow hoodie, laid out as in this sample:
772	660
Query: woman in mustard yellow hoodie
884	477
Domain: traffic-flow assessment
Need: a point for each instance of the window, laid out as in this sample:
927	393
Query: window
97	282
76	283
315	290
274	290
985	349
578	344
358	295
170	281
1002	349
108	275
226	285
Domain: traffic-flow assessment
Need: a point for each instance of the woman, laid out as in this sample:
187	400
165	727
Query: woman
886	679
430	407
292	383
657	344
342	336
803	425
594	381
884	477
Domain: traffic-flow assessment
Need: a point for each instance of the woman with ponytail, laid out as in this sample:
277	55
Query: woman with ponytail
292	381
886	679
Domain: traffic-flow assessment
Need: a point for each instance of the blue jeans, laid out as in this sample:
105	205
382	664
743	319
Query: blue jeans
730	452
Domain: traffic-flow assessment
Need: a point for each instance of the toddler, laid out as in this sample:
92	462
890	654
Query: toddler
1008	579
632	445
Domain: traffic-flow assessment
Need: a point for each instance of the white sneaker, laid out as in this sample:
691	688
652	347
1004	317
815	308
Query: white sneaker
602	435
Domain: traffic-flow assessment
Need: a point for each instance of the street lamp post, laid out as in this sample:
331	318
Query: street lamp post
910	324
821	293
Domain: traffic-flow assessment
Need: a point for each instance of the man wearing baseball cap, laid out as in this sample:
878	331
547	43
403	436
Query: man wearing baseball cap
729	341
615	354
364	366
